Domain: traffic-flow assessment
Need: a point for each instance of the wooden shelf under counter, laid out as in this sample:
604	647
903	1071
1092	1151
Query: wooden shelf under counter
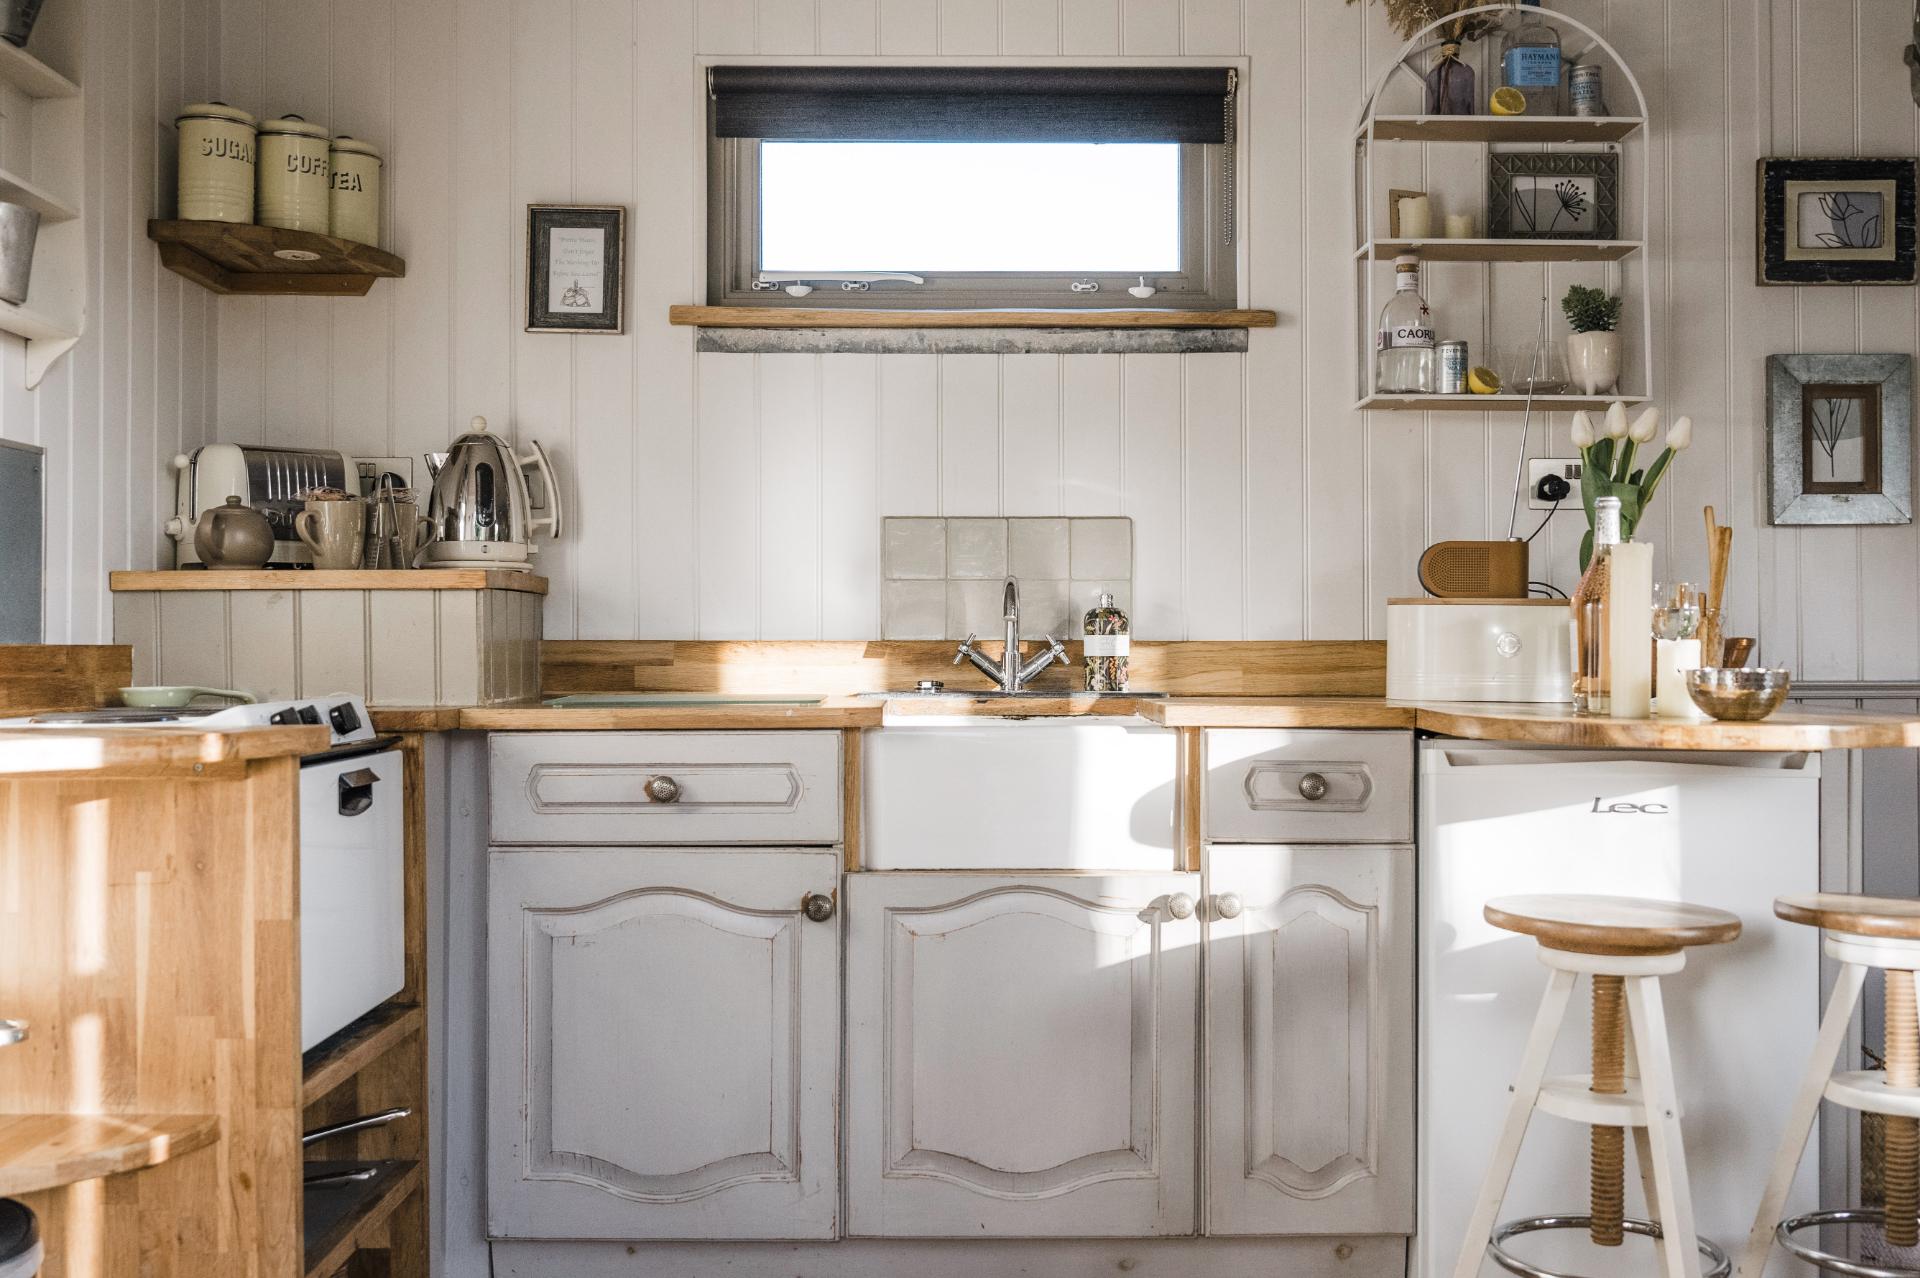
329	579
47	1151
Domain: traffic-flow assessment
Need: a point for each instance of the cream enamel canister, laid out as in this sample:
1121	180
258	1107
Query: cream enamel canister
294	175
217	150
356	191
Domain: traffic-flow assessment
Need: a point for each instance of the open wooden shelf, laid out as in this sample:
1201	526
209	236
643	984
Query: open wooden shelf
46	1151
1445	250
819	317
32	76
1492	403
336	1060
228	257
18	190
342	1219
1500	128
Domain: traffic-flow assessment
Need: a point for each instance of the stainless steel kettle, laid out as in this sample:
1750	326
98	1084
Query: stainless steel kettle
481	512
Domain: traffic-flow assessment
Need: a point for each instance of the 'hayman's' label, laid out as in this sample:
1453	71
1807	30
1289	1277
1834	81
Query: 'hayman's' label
1533	67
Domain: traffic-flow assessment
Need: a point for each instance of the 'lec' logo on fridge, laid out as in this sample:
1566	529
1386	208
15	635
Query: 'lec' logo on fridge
1603	808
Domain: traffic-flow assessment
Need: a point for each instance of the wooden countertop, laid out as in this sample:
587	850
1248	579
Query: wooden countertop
1533	725
329	579
105	752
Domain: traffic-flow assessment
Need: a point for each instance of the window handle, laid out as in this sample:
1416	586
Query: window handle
1085	286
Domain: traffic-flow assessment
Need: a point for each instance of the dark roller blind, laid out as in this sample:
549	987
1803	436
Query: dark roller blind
972	104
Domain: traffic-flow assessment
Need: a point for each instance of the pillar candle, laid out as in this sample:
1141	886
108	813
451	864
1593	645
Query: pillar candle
1459	226
1630	629
1416	217
1671	663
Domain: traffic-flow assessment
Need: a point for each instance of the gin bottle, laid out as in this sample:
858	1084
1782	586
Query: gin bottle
1530	60
1592	660
1406	362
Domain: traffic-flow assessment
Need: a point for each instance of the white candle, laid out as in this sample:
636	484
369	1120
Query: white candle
1416	217
1459	226
1674	658
1630	629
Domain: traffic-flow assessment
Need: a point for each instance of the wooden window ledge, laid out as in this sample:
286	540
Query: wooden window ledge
816	317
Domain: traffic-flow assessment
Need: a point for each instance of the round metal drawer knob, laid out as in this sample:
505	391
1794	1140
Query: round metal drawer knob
817	906
1227	905
1313	787
1180	905
663	789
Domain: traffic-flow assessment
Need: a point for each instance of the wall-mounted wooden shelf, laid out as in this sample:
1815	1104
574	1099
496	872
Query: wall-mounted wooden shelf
820	317
327	579
32	76
1444	250
1501	128
227	257
46	1151
1492	403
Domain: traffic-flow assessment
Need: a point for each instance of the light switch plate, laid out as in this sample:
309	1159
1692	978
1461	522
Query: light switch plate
1538	468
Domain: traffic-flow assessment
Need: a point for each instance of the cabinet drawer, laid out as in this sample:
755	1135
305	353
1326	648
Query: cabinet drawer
1275	786
707	787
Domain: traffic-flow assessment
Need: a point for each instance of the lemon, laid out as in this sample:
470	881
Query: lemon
1508	100
1483	381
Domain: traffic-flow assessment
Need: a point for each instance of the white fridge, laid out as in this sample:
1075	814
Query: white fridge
1727	830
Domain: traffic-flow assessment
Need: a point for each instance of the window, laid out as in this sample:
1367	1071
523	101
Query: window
928	187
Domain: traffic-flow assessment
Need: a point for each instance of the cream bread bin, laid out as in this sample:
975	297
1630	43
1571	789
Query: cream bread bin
1479	650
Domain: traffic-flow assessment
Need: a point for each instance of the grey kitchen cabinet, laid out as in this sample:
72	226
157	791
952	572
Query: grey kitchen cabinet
664	1044
1310	1011
1021	1054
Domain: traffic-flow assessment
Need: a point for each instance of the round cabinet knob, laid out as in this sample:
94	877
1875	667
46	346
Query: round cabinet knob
1227	905
663	789
1180	905
1313	787
817	906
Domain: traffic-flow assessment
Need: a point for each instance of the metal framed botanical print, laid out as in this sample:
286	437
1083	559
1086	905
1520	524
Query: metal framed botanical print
576	262
1840	438
1836	221
1566	195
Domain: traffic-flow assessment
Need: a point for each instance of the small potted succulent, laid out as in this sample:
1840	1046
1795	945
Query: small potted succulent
1593	348
1607	469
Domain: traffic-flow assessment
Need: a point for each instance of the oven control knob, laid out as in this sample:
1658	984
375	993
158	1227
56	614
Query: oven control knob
1508	644
663	789
817	906
1313	787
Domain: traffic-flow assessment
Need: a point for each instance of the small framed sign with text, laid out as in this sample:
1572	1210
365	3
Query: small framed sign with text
576	262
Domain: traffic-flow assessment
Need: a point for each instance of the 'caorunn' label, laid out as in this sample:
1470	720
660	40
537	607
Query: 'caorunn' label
1105	646
1405	335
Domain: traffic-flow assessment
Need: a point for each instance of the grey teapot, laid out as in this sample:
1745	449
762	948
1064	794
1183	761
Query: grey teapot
233	536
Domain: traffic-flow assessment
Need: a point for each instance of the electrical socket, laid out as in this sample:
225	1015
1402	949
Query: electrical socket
1538	468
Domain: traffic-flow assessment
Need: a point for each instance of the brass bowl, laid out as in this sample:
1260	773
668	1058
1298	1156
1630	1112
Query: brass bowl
1743	696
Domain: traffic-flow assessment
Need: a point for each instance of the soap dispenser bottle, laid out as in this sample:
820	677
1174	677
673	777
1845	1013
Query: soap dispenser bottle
1105	646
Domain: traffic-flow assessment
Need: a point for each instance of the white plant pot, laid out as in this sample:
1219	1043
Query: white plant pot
1593	361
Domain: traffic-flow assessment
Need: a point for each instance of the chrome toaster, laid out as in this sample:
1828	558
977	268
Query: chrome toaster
274	481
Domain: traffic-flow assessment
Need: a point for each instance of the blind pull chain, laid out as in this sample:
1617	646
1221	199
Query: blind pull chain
1233	84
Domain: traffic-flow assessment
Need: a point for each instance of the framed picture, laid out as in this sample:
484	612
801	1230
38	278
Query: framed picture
1570	195
1836	221
1394	196
576	262
1840	438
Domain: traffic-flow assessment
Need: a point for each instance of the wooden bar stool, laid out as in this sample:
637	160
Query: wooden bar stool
1624	945
1860	932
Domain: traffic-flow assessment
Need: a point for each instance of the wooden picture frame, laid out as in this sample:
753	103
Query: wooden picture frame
1394	196
1840	438
1586	204
576	268
1836	221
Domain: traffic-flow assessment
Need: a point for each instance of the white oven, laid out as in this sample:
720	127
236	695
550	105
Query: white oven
352	887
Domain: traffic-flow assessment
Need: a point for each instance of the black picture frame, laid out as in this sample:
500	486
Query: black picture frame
1512	175
1782	256
586	301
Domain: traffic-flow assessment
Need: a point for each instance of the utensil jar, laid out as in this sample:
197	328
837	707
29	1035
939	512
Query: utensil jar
217	146
355	191
294	175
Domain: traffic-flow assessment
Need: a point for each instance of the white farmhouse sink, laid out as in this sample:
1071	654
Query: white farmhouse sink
959	792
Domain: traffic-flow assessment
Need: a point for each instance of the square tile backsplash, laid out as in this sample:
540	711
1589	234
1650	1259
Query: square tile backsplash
943	577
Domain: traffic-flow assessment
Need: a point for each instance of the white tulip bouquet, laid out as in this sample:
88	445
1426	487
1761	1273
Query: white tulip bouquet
1607	469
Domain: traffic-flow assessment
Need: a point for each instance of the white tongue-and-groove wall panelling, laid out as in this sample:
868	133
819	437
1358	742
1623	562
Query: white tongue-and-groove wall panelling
729	495
139	387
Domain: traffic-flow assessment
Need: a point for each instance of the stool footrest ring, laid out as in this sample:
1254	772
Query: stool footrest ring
1784	1234
1718	1264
